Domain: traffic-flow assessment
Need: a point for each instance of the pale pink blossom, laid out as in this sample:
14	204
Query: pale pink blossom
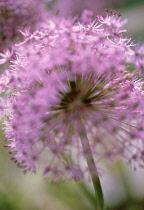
66	80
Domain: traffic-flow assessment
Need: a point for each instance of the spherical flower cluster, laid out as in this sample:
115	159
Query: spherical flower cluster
17	13
71	98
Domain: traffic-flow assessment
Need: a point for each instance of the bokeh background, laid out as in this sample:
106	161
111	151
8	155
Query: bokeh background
123	186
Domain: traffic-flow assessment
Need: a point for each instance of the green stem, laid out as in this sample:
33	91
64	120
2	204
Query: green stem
92	167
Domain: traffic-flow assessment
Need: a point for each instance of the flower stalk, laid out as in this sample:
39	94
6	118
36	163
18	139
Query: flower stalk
92	167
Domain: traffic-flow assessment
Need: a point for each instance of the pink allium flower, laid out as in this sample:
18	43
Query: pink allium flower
71	96
17	13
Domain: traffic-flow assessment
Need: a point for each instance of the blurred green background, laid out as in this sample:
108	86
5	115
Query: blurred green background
123	187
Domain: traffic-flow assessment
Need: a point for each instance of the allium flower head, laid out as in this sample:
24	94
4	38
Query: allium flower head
17	13
71	96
